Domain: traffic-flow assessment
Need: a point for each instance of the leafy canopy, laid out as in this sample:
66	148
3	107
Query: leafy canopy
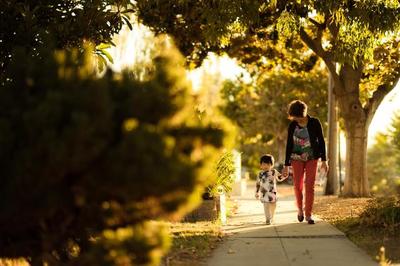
202	26
36	24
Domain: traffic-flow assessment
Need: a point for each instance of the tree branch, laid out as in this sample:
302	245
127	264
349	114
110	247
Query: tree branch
378	96
316	23
338	87
316	46
333	28
312	44
320	30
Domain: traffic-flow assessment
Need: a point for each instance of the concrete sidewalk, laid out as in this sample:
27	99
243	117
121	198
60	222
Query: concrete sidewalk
287	242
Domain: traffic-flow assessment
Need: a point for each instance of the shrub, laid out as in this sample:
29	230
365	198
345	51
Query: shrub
225	173
88	161
382	212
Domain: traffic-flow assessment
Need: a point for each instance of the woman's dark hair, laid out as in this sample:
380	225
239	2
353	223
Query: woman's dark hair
267	158
297	108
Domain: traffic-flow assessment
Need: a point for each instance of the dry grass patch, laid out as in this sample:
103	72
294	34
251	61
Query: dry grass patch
333	208
192	243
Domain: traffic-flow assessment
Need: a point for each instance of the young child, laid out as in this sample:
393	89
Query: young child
266	186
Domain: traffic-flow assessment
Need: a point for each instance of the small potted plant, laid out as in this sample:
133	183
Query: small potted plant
224	172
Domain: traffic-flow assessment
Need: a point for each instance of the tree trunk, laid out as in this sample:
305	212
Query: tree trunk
281	150
356	131
356	181
331	187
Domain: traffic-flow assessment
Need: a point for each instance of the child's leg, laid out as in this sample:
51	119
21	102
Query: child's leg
272	208
311	172
266	212
298	177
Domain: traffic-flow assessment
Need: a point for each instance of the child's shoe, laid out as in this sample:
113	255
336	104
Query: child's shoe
268	222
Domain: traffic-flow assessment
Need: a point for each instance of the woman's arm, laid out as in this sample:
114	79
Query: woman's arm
289	150
321	141
322	148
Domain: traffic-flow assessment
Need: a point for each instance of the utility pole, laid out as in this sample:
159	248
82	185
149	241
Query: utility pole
331	187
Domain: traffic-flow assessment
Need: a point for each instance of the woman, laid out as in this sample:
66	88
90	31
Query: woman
305	145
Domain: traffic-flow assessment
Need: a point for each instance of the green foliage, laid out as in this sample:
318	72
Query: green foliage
260	108
384	161
396	133
382	212
87	161
377	15
206	24
382	68
287	25
225	174
361	34
36	24
116	247
357	49
103	55
382	165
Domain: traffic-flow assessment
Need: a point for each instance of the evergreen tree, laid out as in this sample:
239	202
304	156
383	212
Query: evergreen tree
88	162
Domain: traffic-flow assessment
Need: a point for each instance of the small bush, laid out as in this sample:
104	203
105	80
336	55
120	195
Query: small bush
382	212
225	174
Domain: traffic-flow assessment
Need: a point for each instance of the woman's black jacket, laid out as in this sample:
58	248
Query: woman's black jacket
316	138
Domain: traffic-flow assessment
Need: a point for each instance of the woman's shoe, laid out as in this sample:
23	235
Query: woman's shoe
310	220
300	218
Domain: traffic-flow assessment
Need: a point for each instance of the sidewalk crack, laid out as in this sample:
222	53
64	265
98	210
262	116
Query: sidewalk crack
283	247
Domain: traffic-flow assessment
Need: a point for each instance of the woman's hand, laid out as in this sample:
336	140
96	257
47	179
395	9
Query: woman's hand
324	166
285	171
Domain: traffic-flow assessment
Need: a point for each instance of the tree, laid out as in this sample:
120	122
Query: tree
357	40
36	24
382	164
260	108
332	181
384	160
89	162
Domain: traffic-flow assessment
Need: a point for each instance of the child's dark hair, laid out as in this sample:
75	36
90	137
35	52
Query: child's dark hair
297	108
267	158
